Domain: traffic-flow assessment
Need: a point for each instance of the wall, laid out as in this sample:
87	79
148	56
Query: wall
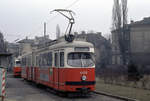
140	44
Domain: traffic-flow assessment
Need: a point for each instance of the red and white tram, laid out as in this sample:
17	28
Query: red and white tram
64	66
17	68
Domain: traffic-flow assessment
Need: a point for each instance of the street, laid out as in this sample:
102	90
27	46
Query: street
19	90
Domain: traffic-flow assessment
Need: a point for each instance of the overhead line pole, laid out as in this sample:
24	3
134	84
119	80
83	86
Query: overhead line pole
44	29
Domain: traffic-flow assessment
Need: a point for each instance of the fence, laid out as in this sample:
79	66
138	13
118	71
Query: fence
120	75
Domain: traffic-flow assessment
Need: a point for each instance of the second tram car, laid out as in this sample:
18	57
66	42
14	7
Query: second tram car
63	66
17	68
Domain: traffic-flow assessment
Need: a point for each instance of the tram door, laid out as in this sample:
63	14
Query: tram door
61	70
59	63
56	71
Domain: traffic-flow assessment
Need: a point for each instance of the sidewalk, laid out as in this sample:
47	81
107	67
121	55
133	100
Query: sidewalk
135	93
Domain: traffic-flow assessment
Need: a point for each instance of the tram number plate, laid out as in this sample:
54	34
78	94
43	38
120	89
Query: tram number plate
83	72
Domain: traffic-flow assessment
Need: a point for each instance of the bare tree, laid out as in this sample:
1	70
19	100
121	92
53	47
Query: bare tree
124	12
124	23
119	21
116	16
2	44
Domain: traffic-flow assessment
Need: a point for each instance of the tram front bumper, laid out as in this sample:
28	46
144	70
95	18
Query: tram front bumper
83	90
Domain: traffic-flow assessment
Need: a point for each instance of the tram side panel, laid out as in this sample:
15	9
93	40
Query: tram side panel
30	73
23	72
44	76
23	65
35	71
62	79
51	77
55	78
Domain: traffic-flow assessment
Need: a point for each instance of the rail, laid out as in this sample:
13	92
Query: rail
115	96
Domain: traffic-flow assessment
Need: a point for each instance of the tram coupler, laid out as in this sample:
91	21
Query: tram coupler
84	90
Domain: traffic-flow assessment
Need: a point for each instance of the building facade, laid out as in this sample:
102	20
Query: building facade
140	41
136	41
5	57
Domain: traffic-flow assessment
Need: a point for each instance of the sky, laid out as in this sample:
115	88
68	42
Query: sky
21	18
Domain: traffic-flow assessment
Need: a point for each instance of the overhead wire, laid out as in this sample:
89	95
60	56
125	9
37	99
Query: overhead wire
54	17
48	21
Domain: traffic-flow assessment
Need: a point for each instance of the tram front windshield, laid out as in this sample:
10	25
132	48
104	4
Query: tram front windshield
80	59
18	62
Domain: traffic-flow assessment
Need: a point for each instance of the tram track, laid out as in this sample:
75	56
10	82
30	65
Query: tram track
115	96
32	91
22	90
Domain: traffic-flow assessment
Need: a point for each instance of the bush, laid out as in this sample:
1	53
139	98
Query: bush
133	73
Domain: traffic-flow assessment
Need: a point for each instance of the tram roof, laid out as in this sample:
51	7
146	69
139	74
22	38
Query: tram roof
66	44
61	44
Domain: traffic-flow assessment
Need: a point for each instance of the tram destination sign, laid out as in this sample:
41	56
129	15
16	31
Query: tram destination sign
82	49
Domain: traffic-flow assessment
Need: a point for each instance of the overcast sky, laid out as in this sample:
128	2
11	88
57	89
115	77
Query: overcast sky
21	18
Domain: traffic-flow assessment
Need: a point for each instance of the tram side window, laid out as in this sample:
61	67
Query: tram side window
56	59
23	61
24	64
61	59
49	59
29	61
40	60
44	59
37	60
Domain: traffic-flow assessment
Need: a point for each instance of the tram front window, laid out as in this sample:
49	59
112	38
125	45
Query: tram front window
18	62
80	59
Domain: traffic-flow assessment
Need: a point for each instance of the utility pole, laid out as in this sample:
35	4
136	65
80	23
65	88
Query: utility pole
57	31
45	30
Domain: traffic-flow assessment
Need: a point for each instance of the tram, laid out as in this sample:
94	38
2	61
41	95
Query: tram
17	68
65	65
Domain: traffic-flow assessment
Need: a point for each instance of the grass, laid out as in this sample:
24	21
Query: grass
136	93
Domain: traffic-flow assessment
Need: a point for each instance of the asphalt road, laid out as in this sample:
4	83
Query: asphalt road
19	90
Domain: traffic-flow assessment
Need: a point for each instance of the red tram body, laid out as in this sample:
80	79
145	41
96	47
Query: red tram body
17	68
63	66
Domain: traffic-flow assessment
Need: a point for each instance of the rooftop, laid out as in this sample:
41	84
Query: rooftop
144	21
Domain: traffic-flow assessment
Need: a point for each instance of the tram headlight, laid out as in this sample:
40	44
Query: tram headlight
83	77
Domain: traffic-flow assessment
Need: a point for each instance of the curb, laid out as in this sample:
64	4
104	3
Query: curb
115	96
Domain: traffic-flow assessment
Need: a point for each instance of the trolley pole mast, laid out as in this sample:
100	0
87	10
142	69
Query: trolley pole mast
68	37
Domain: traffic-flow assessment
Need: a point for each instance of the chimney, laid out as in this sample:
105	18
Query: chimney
26	38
